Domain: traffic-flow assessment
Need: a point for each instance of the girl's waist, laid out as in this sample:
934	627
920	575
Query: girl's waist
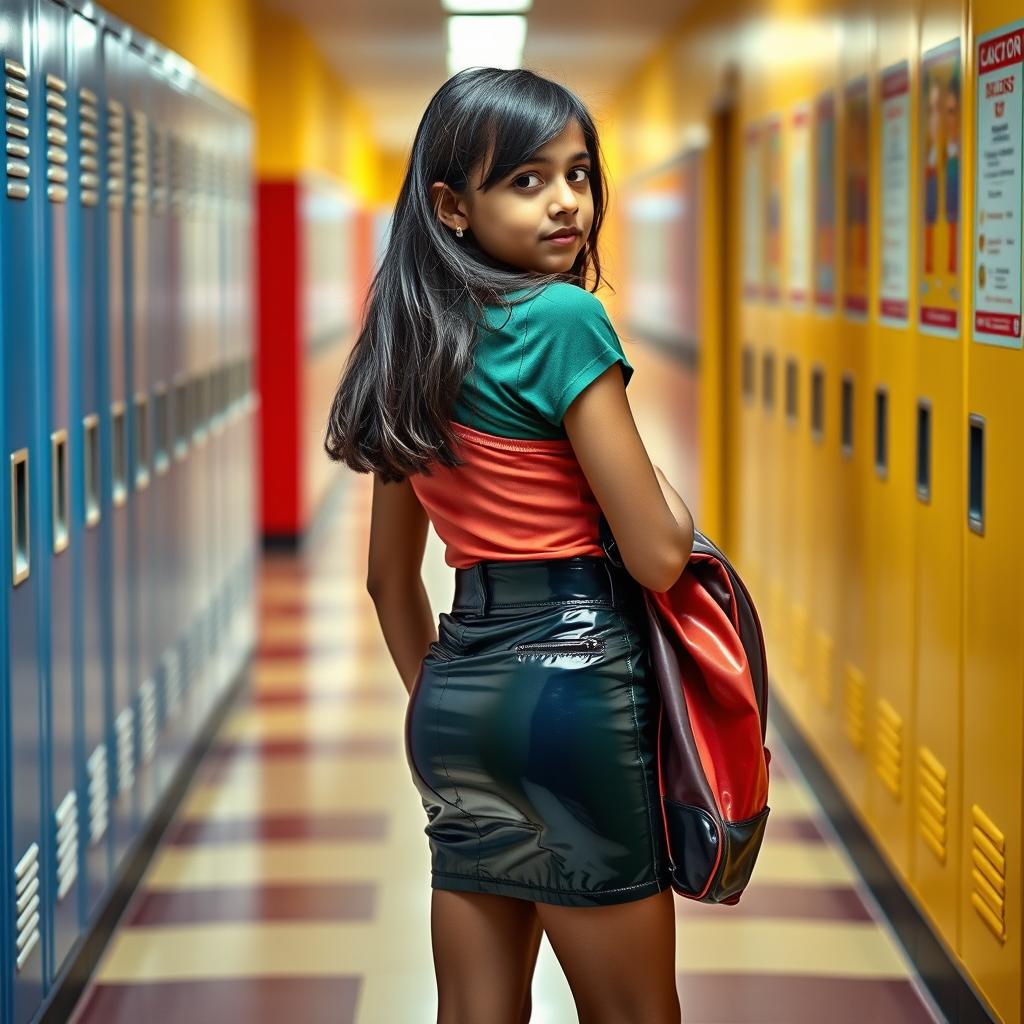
585	579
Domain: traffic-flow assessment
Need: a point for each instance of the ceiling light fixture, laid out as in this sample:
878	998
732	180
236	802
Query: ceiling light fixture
476	40
486	6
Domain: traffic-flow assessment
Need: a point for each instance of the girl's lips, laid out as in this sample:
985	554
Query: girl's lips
562	239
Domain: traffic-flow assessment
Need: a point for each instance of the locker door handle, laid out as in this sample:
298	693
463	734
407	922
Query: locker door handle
882	432
847	416
161	459
91	446
791	396
181	426
767	381
20	540
924	450
976	473
817	403
59	489
120	478
141	441
747	373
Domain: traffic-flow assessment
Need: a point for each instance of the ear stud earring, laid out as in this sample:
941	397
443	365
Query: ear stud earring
458	232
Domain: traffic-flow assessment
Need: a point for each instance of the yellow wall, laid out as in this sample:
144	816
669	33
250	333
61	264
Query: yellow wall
893	631
216	38
305	118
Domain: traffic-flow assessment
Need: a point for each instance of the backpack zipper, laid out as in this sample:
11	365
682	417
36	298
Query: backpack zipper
585	645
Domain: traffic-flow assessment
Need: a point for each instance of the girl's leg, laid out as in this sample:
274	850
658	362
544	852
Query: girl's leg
619	960
485	949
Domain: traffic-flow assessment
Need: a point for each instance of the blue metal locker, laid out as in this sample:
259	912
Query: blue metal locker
162	289
220	466
91	471
249	516
174	320
120	640
24	473
206	455
54	551
140	79
197	521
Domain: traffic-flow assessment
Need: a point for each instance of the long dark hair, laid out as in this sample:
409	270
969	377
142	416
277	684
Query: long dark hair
391	409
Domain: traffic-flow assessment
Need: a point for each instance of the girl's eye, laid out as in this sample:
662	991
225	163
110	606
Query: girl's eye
533	174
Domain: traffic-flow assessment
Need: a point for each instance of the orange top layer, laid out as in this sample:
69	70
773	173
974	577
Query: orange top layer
514	499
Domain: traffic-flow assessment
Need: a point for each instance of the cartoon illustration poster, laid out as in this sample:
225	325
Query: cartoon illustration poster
894	287
773	210
856	150
825	203
752	244
940	184
997	205
798	206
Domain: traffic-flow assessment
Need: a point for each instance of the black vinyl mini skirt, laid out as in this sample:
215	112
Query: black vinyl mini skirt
530	735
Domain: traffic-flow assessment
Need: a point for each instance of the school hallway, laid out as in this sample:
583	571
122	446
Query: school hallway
234	237
293	883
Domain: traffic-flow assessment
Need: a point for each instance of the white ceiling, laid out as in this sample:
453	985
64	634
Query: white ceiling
391	53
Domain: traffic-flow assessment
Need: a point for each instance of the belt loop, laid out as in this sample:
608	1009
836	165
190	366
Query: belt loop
481	582
606	562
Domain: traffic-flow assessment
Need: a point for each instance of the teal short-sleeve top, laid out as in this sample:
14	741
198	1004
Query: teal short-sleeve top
532	362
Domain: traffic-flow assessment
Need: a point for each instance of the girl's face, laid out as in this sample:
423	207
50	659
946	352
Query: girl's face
512	219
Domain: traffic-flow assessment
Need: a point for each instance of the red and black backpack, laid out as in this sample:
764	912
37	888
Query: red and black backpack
707	650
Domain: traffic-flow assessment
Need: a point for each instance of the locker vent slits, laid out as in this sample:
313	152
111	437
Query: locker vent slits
932	802
824	650
854	706
140	161
26	905
116	163
889	747
88	147
125	727
988	872
798	639
56	140
16	109
147	715
99	802
176	174
172	682
66	821
161	162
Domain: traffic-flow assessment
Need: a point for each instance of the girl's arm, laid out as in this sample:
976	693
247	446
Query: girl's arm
398	538
652	526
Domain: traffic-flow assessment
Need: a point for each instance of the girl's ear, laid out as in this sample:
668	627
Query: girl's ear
447	206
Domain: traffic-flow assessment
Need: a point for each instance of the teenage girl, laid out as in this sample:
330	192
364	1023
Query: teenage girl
486	393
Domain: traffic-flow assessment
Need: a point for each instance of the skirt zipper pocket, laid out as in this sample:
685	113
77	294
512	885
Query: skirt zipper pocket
586	645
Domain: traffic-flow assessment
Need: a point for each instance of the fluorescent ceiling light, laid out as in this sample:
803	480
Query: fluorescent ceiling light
486	32
486	6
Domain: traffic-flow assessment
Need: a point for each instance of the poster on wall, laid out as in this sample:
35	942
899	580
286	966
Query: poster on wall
328	241
773	210
998	181
752	246
940	187
797	206
894	286
825	203
663	220
856	167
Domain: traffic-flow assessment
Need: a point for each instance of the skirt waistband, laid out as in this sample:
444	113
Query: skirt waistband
587	579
